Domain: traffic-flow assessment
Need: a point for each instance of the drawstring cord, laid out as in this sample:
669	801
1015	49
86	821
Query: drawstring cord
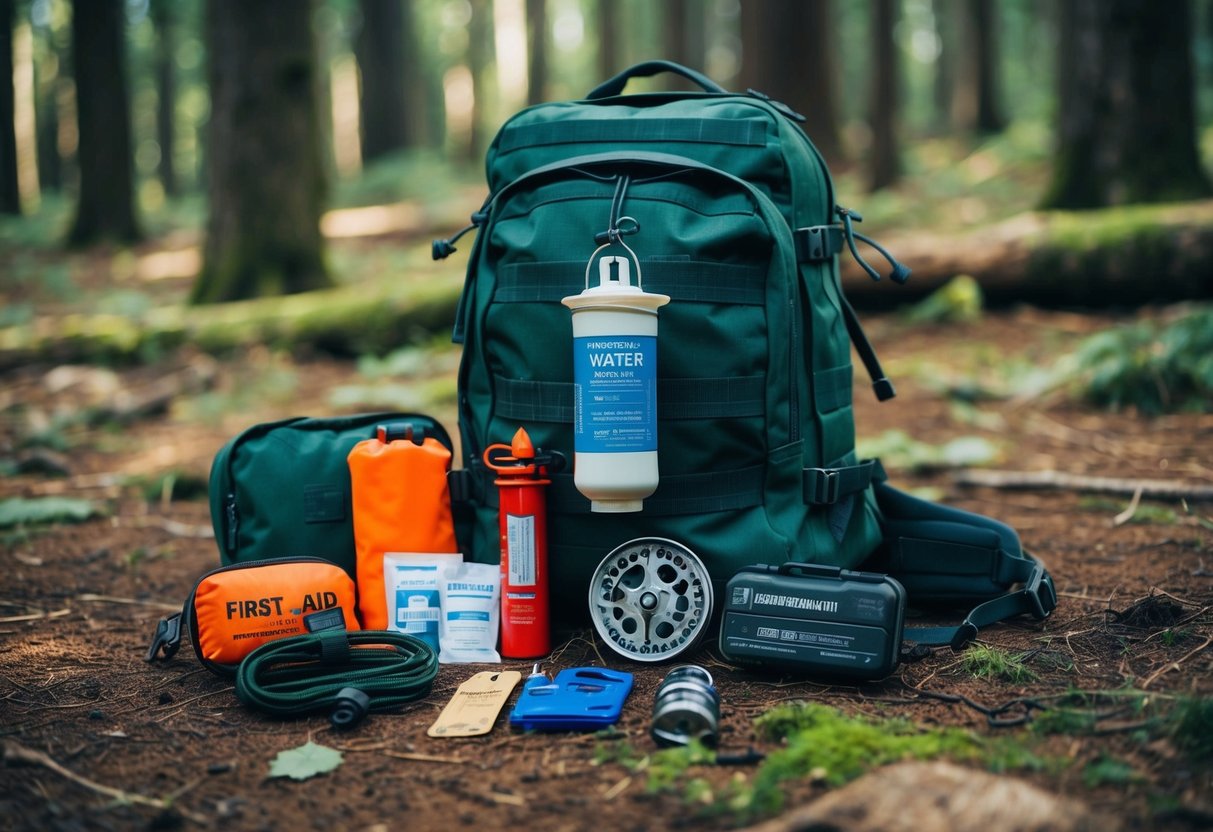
900	273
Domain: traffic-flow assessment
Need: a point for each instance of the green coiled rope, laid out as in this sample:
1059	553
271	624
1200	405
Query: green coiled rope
303	674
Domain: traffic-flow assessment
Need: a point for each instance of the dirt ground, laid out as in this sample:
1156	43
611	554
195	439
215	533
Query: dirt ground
78	603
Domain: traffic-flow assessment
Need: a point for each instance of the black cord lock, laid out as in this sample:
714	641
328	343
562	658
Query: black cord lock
350	707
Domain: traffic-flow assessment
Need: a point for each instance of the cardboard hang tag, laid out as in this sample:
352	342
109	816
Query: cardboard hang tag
473	709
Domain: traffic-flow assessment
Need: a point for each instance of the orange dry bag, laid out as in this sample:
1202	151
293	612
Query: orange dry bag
401	504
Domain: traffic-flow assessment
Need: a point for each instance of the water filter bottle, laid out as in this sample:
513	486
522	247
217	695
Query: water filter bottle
615	385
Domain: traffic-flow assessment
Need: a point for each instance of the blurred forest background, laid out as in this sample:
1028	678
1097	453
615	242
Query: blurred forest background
158	158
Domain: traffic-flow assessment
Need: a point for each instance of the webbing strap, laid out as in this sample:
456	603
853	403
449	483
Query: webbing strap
657	130
1036	597
944	554
528	400
681	279
826	486
832	388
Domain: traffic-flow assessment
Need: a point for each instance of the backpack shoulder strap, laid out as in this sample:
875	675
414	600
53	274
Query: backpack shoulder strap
943	555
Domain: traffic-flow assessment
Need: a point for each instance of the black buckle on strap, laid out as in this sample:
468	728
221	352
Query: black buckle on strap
1040	592
965	633
166	638
822	486
815	243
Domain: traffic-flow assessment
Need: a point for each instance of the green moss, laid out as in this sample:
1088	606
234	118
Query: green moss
823	743
1154	367
1109	771
1065	721
957	301
992	663
839	748
1192	728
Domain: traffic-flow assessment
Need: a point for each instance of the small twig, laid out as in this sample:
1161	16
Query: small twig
173	527
424	758
16	753
1081	482
1183	601
1175	664
507	799
110	599
13	619
1127	515
180	706
374	746
617	789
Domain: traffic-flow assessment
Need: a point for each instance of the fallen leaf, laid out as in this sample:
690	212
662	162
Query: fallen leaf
306	761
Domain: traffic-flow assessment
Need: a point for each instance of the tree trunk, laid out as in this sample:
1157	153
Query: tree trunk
379	48
166	93
682	34
944	78
787	52
265	162
480	57
419	100
975	104
53	74
10	192
50	165
1127	123
537	51
608	39
884	163
106	207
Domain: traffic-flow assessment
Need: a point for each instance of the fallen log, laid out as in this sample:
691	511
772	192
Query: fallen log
1110	257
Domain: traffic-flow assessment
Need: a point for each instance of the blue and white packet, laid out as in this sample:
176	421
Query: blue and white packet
470	598
410	581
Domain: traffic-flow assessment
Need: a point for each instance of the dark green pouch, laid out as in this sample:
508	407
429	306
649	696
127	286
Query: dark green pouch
282	489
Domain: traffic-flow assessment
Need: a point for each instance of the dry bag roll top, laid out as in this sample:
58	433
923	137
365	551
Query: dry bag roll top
401	503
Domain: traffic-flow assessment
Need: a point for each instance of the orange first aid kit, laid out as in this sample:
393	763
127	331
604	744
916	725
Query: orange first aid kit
235	609
401	504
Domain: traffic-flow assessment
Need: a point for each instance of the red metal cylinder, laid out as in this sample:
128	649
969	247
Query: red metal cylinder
525	604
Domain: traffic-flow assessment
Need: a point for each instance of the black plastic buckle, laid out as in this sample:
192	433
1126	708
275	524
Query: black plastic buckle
815	243
330	619
392	431
1040	592
965	633
824	489
167	637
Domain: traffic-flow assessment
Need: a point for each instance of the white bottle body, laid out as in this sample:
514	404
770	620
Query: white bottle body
615	397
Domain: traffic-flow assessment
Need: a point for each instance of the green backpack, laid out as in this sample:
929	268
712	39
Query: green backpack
735	220
729	209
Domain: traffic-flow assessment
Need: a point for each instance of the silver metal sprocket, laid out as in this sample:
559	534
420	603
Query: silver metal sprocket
650	599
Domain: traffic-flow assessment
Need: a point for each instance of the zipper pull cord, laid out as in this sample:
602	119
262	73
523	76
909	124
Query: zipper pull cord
441	249
616	226
900	273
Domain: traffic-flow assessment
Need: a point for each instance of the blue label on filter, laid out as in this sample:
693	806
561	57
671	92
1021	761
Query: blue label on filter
615	393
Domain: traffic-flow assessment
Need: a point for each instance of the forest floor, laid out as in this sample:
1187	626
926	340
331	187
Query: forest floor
95	738
1107	702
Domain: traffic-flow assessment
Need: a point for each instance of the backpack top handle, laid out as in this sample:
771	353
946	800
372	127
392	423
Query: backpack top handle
614	86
